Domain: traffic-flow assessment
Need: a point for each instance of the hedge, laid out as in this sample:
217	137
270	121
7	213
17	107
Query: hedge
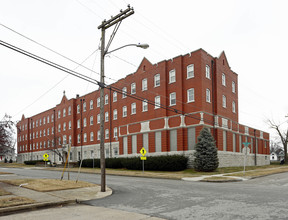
161	163
33	162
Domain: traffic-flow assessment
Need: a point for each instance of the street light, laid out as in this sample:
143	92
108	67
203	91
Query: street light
143	46
102	143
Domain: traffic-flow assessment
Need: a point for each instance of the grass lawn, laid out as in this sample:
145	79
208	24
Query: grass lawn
14	201
46	185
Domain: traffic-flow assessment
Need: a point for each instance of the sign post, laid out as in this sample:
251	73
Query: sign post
143	152
246	144
45	158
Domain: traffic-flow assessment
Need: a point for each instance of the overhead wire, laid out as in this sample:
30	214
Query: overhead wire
84	77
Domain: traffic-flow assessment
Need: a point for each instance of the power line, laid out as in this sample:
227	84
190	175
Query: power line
103	85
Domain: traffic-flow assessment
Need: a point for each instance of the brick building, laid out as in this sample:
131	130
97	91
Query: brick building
187	92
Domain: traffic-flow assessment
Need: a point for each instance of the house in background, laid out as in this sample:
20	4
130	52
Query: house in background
277	155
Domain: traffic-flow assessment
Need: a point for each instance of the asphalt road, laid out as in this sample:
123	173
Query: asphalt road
261	198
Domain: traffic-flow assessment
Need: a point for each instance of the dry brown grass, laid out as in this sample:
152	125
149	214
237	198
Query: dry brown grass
261	172
14	201
46	185
4	192
4	173
218	179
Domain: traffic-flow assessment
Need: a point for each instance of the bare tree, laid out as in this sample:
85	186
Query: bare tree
283	135
7	140
53	148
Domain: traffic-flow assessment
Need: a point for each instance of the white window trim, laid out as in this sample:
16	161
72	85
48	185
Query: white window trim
145	85
133	88
144	103
193	100
170	73
224	101
193	75
223	79
133	104
208	91
156	76
170	99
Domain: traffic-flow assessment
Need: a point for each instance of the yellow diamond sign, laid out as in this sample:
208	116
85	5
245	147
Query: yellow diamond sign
143	151
45	157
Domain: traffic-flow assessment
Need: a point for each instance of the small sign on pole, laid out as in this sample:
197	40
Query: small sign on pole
143	152
45	158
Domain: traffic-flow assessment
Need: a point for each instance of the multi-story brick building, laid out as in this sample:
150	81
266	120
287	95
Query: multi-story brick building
187	93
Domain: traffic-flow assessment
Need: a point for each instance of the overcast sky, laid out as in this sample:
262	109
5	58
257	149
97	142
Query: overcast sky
253	34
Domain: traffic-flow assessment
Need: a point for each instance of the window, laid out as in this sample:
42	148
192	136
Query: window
144	106
78	138
115	114
157	102
59	128
233	87
207	71
144	84
70	139
91	120
52	118
233	107
190	71
64	139
208	99
115	133
84	107
69	110
173	98
106	134
64	112
224	101
39	134
69	127
172	76
124	92
114	96
157	80
133	108
48	119
106	116
37	123
106	100
98	102
223	79
98	135
64	126
124	111
78	123
91	136
85	137
44	134
133	88
98	119
78	109
52	130
91	104
59	140
190	95
40	122
84	122
59	115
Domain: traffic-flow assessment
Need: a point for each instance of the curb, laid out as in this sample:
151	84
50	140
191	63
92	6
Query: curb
30	207
221	181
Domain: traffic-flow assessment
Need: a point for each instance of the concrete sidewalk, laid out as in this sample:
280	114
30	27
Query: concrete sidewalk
55	200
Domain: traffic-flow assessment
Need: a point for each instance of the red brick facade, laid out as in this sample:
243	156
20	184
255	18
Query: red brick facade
194	90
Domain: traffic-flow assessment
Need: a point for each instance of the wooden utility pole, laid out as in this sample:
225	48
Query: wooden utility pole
116	20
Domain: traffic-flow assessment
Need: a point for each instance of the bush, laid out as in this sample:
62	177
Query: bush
161	163
5	161
33	162
10	161
206	156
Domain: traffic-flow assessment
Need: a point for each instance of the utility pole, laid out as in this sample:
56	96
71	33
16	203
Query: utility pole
116	20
